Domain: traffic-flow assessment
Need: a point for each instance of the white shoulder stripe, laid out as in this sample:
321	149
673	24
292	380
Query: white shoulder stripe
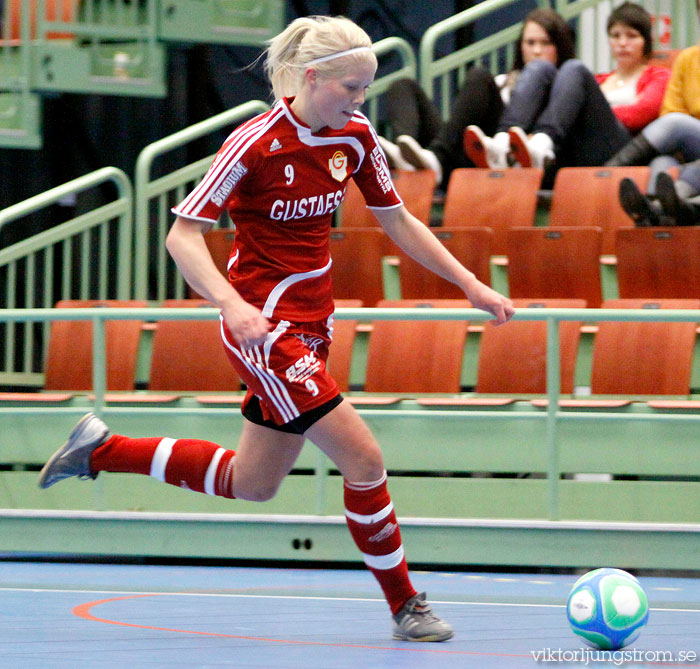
192	199
242	141
225	161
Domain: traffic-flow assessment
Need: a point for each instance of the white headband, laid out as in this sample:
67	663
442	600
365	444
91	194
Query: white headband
338	54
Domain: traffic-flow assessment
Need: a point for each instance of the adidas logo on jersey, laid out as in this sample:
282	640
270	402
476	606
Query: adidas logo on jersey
275	145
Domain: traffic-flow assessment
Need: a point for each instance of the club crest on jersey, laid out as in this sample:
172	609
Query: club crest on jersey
338	165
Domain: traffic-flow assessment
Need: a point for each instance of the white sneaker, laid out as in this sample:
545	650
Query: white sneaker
420	158
394	159
486	152
535	151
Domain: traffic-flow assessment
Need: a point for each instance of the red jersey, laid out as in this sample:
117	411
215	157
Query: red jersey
650	89
281	183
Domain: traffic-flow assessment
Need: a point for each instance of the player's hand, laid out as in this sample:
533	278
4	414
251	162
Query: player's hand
487	299
245	322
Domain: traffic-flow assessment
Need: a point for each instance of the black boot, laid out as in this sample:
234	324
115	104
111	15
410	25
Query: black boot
638	151
638	207
683	212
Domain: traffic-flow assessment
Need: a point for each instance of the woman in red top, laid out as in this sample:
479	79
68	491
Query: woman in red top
280	176
585	119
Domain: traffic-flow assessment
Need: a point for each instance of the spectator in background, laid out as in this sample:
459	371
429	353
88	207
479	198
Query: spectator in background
673	203
584	118
416	122
674	138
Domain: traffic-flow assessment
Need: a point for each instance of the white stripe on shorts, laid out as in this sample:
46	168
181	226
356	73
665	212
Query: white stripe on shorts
384	561
211	472
160	458
275	389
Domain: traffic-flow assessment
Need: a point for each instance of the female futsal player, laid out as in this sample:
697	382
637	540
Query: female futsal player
280	176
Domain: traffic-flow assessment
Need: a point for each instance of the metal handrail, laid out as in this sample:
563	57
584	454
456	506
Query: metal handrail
552	316
147	190
121	207
407	69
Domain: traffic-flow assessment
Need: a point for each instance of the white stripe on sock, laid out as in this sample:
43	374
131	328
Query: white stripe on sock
211	472
361	485
373	518
384	561
160	458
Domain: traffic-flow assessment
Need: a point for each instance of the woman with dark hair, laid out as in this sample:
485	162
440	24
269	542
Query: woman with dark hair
416	122
582	119
673	139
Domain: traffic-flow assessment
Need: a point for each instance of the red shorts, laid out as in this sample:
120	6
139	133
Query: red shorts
288	372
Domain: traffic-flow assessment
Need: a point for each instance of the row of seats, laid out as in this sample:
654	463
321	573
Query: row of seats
551	261
502	199
629	358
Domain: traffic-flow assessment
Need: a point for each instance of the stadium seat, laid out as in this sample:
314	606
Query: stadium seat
189	355
417	190
416	356
513	357
658	262
555	262
357	263
219	242
497	199
69	353
589	196
471	246
353	211
340	354
637	358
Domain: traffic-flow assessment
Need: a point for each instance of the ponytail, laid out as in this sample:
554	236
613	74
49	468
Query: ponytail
313	38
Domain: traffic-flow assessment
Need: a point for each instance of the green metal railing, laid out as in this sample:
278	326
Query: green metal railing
88	256
155	273
388	51
248	22
553	416
20	109
113	49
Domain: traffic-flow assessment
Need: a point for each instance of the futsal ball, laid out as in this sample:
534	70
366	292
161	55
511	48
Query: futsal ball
607	608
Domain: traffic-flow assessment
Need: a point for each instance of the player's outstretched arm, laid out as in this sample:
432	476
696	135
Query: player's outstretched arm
185	243
416	240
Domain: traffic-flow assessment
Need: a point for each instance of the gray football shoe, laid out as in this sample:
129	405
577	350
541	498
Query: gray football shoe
417	622
73	458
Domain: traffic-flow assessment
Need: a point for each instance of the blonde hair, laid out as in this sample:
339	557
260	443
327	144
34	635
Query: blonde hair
309	38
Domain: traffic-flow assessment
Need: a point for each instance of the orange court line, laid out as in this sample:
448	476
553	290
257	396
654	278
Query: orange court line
84	611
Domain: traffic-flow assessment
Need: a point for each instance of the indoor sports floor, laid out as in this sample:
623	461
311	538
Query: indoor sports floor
65	614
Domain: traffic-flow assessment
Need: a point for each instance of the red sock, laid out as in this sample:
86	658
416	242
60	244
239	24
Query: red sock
194	464
372	522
